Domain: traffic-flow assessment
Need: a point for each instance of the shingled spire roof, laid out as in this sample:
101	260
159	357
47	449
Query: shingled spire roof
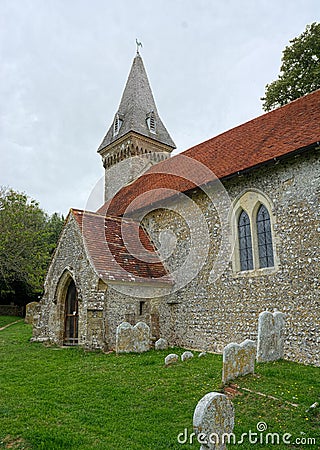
137	108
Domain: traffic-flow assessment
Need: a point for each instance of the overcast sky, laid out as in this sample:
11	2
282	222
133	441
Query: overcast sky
64	64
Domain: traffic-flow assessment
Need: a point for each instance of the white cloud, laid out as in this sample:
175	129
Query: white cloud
64	66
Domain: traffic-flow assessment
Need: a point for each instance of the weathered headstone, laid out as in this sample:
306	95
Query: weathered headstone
213	421
132	339
186	355
141	337
270	336
32	312
238	360
161	344
171	359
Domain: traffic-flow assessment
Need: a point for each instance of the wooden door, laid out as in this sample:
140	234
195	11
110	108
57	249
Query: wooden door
71	316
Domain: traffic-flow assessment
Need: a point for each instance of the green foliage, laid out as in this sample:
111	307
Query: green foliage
54	228
300	70
27	238
67	398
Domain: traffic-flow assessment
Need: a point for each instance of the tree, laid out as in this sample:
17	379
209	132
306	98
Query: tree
299	72
54	228
27	239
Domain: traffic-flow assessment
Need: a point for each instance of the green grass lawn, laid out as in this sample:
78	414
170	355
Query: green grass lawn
5	320
53	398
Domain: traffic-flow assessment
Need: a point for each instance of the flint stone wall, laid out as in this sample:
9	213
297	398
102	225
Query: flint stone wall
11	310
101	307
238	360
207	316
270	336
70	261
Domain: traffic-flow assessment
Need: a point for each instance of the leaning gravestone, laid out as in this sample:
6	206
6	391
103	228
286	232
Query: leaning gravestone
213	421
161	344
32	312
171	359
270	336
132	339
238	360
186	355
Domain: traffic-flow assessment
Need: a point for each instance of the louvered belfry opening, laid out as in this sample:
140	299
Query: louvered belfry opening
71	316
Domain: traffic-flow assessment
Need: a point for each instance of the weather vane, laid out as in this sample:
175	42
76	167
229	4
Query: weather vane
139	44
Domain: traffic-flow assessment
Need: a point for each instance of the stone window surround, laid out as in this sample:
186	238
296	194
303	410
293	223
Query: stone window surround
250	201
59	298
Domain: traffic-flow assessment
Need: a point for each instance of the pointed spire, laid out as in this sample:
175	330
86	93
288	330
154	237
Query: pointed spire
137	110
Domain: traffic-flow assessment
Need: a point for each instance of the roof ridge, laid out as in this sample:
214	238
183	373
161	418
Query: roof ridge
246	123
106	217
292	128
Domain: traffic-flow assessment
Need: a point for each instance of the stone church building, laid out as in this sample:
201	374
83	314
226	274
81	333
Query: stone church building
197	244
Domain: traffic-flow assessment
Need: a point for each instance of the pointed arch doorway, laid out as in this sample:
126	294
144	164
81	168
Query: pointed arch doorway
71	316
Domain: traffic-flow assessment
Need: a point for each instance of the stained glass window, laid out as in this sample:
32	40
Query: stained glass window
264	236
245	242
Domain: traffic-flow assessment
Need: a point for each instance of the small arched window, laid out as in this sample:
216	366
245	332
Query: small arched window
245	242
264	236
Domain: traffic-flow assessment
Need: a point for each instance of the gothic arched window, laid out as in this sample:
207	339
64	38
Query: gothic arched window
245	242
264	236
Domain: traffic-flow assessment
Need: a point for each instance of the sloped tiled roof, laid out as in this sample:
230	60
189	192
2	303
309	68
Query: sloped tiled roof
113	247
137	101
279	133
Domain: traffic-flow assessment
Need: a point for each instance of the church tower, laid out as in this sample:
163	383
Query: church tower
137	138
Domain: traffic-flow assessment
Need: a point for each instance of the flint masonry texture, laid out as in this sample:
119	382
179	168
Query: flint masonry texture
209	315
132	338
270	336
238	360
213	417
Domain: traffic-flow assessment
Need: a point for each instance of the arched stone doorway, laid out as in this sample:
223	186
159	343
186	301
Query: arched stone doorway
71	316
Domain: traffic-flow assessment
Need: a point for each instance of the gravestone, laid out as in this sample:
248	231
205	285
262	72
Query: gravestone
132	338
213	421
238	360
186	355
32	313
270	336
161	344
171	359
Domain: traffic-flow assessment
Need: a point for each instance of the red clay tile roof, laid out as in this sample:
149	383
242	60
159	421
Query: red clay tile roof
113	244
280	132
